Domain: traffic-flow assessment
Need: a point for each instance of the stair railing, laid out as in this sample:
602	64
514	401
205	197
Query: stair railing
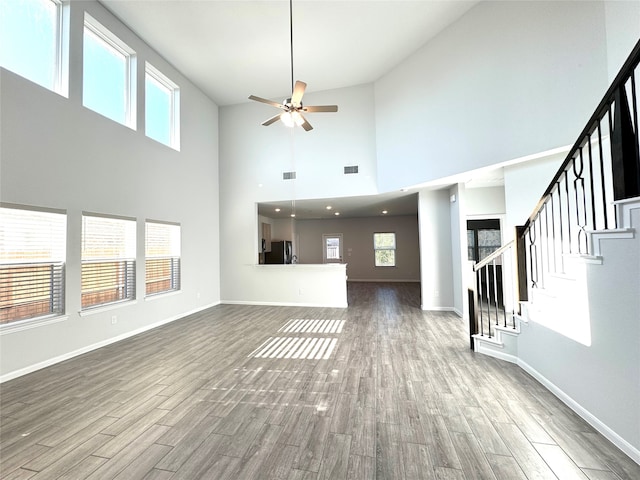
603	166
493	298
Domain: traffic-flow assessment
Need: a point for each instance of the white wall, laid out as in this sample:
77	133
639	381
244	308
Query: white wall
357	236
524	184
436	260
485	202
623	32
601	379
459	206
507	80
56	153
253	157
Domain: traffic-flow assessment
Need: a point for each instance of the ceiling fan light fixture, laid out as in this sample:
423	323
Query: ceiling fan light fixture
291	119
293	107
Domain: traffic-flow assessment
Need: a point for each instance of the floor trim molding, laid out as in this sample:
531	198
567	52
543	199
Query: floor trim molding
284	304
591	419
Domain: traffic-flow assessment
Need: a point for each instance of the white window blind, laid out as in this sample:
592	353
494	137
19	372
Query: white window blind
162	257
32	262
108	260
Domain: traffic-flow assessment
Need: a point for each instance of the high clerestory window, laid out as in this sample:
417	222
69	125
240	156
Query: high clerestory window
108	74
33	41
162	257
32	263
162	108
108	260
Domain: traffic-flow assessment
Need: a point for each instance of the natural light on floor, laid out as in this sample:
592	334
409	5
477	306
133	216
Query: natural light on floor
313	326
306	347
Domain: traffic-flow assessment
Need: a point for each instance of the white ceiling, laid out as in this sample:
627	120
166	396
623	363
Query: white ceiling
232	49
395	203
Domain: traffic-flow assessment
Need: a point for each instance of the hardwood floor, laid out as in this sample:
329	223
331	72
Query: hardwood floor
245	392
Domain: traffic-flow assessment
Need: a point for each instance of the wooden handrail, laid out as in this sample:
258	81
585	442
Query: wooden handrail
493	256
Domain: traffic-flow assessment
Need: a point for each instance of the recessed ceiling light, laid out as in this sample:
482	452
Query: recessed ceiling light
277	209
293	215
337	213
384	212
329	207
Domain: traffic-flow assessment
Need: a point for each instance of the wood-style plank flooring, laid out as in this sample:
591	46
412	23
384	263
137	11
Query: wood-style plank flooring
386	391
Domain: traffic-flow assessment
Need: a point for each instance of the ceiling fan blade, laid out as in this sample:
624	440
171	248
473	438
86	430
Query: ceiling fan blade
320	108
268	102
273	119
298	92
306	125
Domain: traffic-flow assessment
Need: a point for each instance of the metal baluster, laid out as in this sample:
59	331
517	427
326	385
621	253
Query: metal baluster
479	287
581	224
566	188
540	252
560	227
593	193
532	255
635	105
495	289
486	267
553	233
604	195
512	287
546	232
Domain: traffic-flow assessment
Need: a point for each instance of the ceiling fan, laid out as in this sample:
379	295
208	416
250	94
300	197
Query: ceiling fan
293	107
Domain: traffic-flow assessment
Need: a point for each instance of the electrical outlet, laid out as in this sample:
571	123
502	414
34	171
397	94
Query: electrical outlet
436	293
114	319
300	291
198	295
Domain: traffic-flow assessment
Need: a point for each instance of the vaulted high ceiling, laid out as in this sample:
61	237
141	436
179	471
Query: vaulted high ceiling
231	49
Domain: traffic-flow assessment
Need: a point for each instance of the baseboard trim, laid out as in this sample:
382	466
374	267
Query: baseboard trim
427	308
592	420
381	280
66	356
482	347
284	304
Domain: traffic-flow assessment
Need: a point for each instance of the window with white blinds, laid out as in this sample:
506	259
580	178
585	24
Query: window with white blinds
108	260
162	257
32	263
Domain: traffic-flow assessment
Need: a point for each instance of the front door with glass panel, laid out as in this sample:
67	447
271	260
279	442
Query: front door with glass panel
332	248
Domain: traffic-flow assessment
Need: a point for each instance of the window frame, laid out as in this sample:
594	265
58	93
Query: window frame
175	262
55	283
60	77
162	80
112	42
125	266
393	249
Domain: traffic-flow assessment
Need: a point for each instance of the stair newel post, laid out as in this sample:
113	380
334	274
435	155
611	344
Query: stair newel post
522	294
495	289
473	314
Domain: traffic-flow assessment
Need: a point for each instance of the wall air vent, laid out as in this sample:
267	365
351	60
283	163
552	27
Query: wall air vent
350	169
288	175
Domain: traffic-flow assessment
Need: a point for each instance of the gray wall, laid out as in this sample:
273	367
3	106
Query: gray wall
56	153
357	234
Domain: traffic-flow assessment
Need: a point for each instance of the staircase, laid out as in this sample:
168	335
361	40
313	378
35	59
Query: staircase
569	311
563	304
